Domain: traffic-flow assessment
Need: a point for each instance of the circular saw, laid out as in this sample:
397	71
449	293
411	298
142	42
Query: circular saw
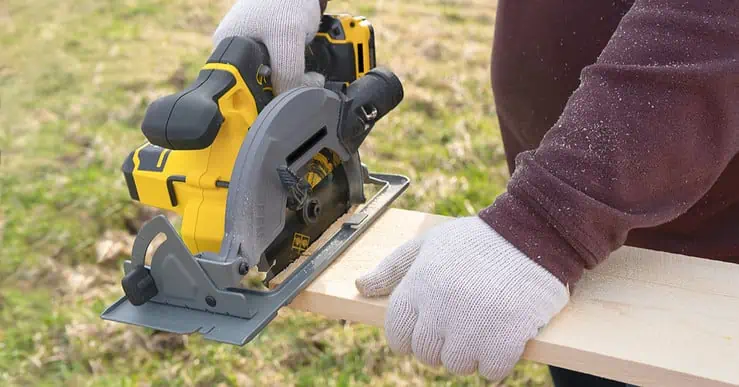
257	181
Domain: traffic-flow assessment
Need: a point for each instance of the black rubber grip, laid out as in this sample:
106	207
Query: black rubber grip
191	119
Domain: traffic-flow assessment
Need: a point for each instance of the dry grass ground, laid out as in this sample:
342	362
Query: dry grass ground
75	79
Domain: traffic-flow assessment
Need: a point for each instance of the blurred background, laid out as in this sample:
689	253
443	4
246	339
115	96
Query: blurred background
75	79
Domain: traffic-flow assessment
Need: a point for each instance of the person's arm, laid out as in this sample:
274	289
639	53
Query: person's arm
652	126
649	131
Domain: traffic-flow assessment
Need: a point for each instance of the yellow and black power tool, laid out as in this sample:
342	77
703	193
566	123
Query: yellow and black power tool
194	136
256	179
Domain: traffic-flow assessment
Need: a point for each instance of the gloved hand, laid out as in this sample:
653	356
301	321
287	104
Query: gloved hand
465	298
285	27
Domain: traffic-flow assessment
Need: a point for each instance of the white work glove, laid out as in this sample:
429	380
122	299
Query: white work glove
285	27
465	298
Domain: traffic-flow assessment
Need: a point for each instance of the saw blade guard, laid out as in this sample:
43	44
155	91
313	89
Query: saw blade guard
286	136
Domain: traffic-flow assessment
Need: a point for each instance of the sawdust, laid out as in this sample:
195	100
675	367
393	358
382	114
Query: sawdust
254	279
313	247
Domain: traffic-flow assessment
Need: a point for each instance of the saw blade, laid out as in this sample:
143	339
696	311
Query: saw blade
329	200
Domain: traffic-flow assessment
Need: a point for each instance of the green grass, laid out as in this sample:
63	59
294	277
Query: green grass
75	79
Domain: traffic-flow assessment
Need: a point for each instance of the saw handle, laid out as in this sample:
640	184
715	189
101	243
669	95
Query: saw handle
192	118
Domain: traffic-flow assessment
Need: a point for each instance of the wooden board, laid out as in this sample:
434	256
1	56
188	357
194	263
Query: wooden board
643	317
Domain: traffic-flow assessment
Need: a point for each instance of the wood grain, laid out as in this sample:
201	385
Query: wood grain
642	317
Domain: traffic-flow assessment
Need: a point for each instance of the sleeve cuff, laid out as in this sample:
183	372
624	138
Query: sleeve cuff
535	237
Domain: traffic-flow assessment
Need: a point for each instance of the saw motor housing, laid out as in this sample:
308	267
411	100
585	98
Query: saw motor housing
194	136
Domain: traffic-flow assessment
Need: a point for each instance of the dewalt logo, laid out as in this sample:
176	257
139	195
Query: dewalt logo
300	242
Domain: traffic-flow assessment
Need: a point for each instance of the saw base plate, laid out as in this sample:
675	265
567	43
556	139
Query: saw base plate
262	306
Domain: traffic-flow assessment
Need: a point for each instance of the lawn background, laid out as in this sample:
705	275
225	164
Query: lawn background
75	79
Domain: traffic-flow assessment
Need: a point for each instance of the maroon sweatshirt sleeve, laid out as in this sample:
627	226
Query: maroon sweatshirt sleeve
650	129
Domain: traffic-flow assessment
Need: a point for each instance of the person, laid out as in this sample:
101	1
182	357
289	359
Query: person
620	123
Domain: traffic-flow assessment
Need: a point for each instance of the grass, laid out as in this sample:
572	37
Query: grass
75	79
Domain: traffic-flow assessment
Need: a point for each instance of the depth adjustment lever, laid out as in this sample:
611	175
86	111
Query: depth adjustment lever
298	189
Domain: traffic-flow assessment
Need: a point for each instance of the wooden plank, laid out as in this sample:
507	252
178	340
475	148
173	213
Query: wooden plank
643	317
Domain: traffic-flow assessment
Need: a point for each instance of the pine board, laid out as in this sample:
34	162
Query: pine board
643	317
